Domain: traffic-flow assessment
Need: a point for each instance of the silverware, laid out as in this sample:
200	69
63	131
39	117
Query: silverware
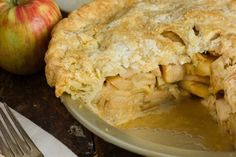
15	142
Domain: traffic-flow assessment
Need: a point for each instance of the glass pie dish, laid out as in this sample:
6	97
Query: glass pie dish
131	141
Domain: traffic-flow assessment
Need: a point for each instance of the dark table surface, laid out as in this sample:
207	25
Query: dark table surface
33	98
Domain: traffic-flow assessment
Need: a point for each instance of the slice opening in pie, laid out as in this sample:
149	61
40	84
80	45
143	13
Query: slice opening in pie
123	96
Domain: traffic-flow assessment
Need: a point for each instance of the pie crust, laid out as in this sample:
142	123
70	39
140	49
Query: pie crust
167	47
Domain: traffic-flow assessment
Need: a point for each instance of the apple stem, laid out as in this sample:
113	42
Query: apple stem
14	2
19	2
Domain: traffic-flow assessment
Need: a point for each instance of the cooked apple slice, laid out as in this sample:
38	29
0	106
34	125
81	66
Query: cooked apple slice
195	88
201	79
119	97
173	73
189	69
160	81
202	64
142	80
120	83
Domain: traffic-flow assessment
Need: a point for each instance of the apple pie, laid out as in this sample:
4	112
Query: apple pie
123	58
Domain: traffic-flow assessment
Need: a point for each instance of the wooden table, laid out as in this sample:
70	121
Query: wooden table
33	98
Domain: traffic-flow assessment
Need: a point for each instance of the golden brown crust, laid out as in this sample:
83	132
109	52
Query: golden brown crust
63	35
109	37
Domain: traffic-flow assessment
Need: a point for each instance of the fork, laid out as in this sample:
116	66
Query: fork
13	143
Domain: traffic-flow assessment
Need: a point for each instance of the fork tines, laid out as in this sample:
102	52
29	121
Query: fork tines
15	143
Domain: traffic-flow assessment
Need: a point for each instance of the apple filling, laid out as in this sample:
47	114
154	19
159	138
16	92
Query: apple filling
126	95
129	94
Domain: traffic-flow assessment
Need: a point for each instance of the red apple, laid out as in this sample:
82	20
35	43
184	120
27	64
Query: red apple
25	27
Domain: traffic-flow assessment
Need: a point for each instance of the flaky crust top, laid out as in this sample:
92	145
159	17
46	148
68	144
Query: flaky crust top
108	37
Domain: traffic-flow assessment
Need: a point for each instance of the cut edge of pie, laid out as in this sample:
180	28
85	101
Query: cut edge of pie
122	58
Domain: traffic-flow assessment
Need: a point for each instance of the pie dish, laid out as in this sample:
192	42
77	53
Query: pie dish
122	58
